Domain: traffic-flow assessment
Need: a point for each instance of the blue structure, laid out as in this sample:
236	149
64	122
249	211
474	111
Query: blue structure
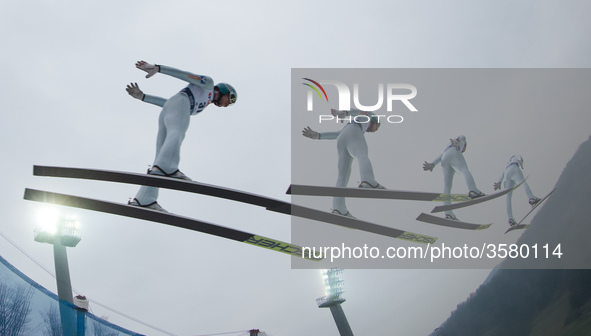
39	309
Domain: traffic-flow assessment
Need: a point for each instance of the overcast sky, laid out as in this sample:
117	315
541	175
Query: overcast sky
64	69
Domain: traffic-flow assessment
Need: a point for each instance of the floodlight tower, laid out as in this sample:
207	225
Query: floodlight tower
65	234
61	234
333	283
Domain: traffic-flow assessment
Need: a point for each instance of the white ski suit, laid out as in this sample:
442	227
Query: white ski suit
173	122
452	161
513	176
351	144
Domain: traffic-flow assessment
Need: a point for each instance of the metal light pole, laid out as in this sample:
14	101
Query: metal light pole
65	234
333	283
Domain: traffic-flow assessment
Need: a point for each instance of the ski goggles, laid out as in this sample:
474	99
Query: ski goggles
232	97
374	121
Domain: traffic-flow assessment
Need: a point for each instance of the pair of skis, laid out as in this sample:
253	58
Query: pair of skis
461	201
270	204
458	200
520	225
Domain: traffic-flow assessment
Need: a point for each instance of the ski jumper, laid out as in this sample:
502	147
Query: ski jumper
452	161
351	145
173	122
513	176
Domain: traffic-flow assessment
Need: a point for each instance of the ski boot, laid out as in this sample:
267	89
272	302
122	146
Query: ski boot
153	205
155	170
451	217
512	222
533	201
337	212
366	184
473	194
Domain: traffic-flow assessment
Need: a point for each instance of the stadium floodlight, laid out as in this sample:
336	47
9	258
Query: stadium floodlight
334	287
62	229
61	232
48	219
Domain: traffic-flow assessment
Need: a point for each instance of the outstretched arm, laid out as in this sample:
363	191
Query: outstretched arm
134	90
309	133
353	112
204	82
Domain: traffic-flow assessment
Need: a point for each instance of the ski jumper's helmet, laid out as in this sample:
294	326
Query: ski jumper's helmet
460	143
226	88
516	159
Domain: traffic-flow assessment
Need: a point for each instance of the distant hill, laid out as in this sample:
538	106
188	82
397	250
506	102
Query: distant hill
540	296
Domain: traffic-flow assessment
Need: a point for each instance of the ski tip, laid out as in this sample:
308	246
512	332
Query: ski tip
36	170
288	190
517	227
438	209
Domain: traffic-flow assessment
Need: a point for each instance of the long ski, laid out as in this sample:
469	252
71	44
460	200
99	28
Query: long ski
519	225
423	217
268	203
474	201
309	190
165	218
159	182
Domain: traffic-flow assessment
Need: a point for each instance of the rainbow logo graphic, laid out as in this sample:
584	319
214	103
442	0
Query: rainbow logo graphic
315	89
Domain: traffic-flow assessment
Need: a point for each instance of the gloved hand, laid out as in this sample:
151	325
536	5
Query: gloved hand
134	90
309	133
428	166
497	185
339	114
151	69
